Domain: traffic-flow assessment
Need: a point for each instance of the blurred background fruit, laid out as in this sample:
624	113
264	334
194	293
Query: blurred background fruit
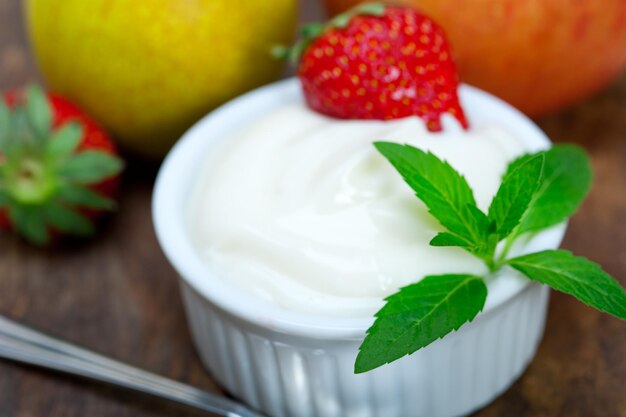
148	69
59	169
539	55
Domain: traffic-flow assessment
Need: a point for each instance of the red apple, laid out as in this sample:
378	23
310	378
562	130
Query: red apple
539	55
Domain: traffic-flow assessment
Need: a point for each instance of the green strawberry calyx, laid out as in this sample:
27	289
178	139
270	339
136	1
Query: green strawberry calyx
310	32
44	178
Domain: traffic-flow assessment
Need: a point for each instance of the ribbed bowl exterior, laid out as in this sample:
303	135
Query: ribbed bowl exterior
286	375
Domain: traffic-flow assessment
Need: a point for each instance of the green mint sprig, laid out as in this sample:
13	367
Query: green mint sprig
537	191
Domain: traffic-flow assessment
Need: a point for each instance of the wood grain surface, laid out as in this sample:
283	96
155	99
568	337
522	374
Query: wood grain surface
118	295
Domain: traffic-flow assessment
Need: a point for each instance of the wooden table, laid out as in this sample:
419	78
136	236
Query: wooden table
118	295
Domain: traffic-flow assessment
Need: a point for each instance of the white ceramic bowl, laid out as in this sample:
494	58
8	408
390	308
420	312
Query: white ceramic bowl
297	365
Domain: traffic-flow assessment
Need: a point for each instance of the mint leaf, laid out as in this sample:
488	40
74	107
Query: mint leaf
38	112
64	141
84	197
575	276
68	221
418	315
566	181
90	167
515	193
443	190
448	239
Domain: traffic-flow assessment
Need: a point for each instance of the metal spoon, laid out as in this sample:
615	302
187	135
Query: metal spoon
20	343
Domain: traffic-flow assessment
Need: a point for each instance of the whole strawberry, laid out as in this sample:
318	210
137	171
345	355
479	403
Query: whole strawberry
378	62
58	168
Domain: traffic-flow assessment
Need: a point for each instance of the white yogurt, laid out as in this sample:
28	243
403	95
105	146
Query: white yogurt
301	210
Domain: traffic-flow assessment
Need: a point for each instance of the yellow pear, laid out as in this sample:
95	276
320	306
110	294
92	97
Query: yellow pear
148	69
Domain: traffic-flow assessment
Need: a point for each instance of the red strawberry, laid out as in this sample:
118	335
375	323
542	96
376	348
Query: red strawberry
58	168
379	62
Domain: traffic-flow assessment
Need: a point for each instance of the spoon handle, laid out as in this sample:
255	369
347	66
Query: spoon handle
22	344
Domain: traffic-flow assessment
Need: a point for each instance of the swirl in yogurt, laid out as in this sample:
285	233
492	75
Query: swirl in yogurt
301	210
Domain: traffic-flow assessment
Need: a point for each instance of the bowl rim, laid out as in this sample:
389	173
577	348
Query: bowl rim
176	177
